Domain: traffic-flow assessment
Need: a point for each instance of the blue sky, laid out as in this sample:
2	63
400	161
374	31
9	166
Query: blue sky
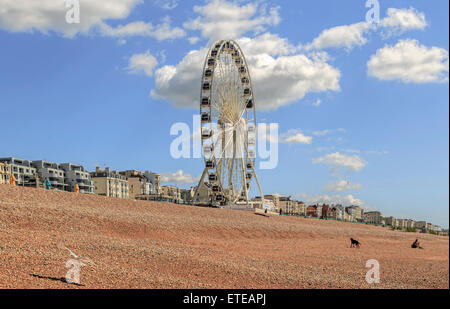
365	105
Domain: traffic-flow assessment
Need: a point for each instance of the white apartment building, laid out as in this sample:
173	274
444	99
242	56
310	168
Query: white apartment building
4	173
356	212
51	171
155	180
24	173
391	221
374	217
422	225
110	183
75	174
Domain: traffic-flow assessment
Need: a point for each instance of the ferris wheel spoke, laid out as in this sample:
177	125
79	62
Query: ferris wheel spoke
243	170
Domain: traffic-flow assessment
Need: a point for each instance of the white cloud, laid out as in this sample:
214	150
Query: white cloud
278	81
325	149
279	75
352	150
180	84
317	102
377	152
335	160
371	152
396	21
328	131
342	185
121	41
297	138
293	136
334	139
266	44
49	16
345	200
142	63
179	177
347	36
163	31
193	40
167	4
400	20
409	62
130	29
221	19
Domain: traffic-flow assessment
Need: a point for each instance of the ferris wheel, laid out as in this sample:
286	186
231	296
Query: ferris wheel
228	125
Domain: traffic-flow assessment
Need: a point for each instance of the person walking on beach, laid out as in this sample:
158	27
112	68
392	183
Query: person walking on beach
48	185
12	180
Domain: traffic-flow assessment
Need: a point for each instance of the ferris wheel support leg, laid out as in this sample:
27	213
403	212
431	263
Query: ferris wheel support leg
259	187
245	189
230	176
200	183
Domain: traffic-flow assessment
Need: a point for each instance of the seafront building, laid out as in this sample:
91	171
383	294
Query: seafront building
311	211
319	210
436	228
51	172
298	208
75	174
402	223
139	186
171	194
285	204
22	170
4	173
188	195
391	221
301	208
204	194
274	199
257	204
326	211
340	212
332	212
373	217
147	186
410	224
155	180
420	225
347	216
355	212
110	183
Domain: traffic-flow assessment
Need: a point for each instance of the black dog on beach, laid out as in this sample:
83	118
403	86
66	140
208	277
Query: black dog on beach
354	243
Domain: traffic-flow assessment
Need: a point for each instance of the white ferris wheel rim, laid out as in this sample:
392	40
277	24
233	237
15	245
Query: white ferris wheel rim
227	87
